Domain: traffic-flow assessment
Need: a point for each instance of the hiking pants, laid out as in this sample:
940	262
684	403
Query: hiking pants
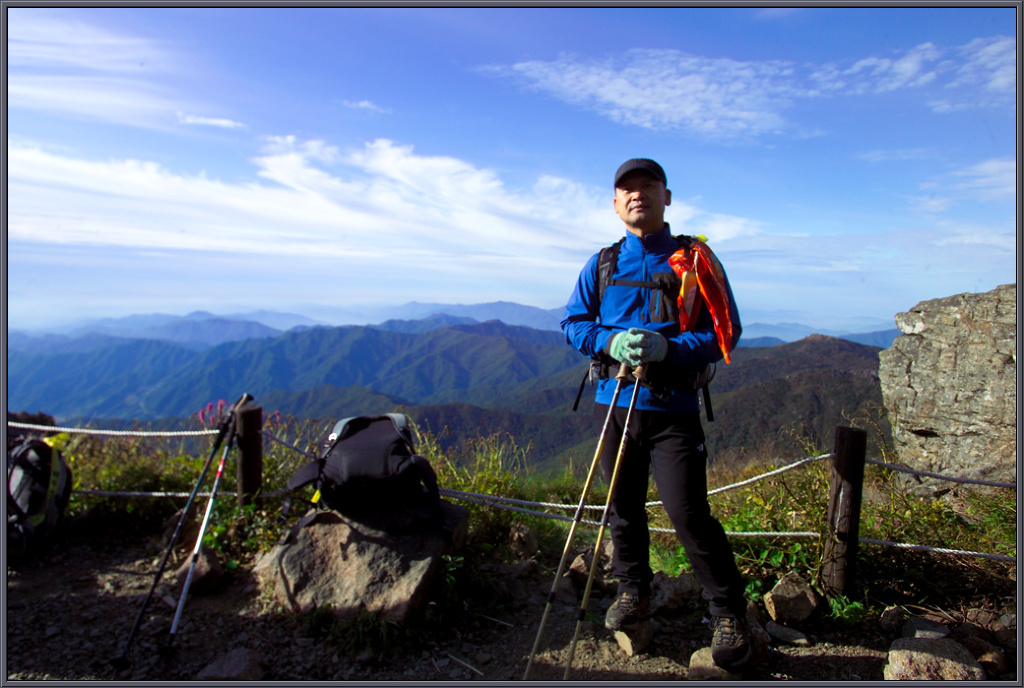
672	446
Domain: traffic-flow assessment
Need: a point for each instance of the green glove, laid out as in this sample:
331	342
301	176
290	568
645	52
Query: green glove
649	346
624	347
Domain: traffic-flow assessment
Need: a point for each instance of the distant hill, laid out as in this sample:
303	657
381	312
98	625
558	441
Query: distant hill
505	311
760	341
458	378
433	322
882	339
173	381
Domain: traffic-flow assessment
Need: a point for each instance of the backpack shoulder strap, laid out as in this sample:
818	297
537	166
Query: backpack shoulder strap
339	429
306	475
607	259
403	428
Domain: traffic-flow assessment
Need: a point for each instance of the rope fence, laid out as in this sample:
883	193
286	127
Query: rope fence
536	509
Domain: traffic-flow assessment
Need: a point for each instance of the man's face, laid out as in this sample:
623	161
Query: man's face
640	201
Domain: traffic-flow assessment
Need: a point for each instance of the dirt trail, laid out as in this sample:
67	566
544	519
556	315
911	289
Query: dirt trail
69	611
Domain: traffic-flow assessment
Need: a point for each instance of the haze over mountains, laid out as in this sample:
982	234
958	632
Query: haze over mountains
201	329
451	373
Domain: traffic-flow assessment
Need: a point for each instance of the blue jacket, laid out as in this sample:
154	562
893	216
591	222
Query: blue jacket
588	323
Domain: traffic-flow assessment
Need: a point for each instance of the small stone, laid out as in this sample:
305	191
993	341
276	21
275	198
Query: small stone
989	656
238	665
703	668
784	634
892	619
634	642
919	627
52	631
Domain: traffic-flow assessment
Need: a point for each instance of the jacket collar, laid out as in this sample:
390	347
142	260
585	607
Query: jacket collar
658	241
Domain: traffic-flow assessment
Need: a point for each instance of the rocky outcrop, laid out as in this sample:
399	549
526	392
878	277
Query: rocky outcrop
949	385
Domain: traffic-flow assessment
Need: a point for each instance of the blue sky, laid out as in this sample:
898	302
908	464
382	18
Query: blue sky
845	164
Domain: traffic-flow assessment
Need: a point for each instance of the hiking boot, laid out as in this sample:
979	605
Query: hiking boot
627	612
730	643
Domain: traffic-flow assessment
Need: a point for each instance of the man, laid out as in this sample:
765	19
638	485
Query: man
636	322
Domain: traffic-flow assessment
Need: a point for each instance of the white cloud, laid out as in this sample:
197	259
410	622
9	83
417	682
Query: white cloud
879	74
990	62
101	98
209	121
51	40
380	206
719	98
68	68
896	155
991	180
666	89
930	204
365	105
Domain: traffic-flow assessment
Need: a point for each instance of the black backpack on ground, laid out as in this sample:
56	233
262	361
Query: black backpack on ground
368	471
38	489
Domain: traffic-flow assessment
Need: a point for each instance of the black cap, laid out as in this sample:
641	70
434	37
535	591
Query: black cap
649	166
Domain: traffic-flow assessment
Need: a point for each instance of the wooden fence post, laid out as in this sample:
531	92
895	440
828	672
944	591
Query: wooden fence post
844	498
249	421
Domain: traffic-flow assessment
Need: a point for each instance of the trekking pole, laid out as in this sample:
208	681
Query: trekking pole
638	373
620	377
202	528
226	424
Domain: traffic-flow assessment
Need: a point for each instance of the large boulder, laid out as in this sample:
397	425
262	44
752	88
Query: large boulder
350	566
931	659
949	385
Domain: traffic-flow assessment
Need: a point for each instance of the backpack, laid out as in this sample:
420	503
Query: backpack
369	472
666	287
38	489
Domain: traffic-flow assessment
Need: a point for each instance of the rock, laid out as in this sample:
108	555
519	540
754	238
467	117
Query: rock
567	591
950	384
524	569
238	665
787	635
522	542
892	619
348	566
989	656
634	642
206	577
759	637
792	600
670	594
1007	638
579	571
919	627
703	668
188	533
931	659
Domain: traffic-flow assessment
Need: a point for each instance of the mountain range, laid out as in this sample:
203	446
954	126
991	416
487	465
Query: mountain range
458	377
201	329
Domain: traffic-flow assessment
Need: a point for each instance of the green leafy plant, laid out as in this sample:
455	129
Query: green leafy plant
844	609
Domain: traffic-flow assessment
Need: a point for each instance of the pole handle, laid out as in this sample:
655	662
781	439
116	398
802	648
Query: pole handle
639	372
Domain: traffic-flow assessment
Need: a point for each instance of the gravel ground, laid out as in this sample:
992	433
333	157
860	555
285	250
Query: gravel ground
70	610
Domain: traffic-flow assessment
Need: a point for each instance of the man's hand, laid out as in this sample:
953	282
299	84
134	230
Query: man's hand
649	346
622	347
637	346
